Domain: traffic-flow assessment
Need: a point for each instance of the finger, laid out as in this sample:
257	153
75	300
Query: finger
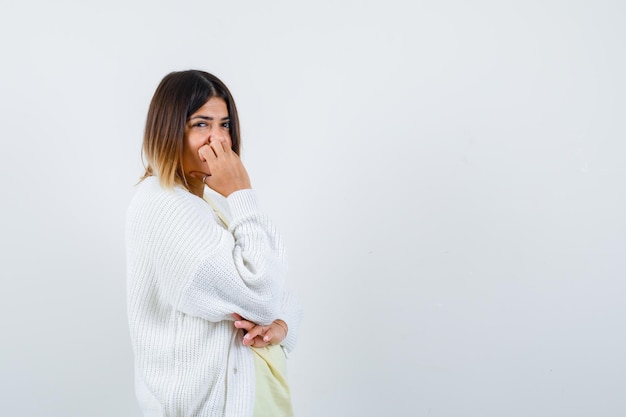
218	146
269	335
206	153
258	342
228	143
248	339
275	334
237	316
244	324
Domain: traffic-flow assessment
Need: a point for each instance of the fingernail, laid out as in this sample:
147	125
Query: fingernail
266	339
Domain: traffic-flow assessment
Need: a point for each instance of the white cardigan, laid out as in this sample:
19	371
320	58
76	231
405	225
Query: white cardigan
186	275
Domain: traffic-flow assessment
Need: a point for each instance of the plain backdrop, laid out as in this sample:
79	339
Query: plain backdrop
448	176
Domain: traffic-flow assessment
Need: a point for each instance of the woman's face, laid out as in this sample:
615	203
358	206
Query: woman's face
209	123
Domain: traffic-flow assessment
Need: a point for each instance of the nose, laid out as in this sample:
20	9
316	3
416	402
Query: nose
219	136
215	136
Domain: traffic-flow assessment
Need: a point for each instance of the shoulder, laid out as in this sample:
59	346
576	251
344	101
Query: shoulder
154	204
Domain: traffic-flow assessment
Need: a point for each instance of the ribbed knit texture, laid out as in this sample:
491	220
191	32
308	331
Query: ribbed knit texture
187	274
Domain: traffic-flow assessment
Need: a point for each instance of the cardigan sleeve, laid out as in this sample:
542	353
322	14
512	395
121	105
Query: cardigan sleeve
291	313
209	272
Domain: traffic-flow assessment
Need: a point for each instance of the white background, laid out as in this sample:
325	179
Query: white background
448	176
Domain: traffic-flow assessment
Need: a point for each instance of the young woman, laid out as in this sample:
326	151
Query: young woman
210	316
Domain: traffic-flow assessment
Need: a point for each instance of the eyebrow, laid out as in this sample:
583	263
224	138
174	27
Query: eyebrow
207	118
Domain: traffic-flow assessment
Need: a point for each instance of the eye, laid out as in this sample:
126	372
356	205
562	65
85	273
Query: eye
200	124
226	125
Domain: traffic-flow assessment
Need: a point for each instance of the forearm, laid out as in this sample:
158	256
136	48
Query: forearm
206	271
291	314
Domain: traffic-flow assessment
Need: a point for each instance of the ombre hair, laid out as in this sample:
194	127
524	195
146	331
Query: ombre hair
178	96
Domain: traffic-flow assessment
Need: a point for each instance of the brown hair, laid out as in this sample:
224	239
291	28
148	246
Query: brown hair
178	96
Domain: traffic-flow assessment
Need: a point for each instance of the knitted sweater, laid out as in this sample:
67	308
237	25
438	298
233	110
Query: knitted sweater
186	275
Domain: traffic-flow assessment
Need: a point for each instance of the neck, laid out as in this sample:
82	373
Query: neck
197	189
195	186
